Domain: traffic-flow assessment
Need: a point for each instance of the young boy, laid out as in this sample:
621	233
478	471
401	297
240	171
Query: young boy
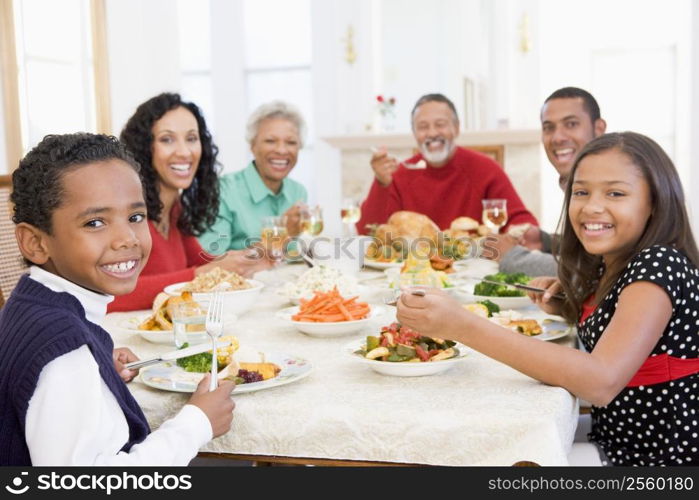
81	221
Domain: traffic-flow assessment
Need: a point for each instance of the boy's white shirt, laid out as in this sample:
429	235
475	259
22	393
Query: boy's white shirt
74	419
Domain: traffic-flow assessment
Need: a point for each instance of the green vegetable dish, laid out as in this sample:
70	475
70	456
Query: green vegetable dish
401	344
491	290
200	363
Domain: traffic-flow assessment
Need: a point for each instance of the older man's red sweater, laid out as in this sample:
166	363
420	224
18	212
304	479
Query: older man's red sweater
444	193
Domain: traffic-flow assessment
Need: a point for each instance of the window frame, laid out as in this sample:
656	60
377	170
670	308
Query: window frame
10	77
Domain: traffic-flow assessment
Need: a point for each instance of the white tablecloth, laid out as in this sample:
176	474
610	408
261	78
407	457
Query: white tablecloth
480	412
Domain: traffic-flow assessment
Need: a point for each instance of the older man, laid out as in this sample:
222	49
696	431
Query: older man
452	182
570	118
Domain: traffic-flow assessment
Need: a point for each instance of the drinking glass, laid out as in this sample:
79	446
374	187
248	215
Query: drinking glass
312	220
274	237
351	213
495	213
186	317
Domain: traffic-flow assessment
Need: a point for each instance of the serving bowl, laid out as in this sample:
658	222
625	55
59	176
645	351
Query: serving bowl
329	329
406	368
235	302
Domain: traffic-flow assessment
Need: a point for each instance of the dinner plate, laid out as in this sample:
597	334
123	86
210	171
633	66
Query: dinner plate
170	377
381	265
130	325
234	301
404	369
554	327
332	329
503	302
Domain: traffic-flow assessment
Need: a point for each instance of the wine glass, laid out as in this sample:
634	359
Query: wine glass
351	213
495	213
312	221
273	238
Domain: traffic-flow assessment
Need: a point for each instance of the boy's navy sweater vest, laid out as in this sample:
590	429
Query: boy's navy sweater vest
37	325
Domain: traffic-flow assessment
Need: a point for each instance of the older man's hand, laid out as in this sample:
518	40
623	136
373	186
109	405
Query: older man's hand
531	238
496	246
384	165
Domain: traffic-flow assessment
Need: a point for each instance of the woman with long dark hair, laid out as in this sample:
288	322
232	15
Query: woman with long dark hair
170	140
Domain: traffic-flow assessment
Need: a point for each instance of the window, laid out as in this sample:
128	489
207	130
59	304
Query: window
194	19
56	74
277	43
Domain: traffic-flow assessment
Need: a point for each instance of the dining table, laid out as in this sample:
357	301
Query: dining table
479	412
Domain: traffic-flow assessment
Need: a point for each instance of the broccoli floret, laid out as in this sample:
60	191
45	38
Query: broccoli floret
491	290
199	363
486	289
492	307
510	278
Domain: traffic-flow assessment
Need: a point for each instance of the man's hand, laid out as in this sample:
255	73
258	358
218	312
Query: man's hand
122	356
384	165
531	239
496	246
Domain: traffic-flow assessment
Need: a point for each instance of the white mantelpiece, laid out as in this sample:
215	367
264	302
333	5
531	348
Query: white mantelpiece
522	159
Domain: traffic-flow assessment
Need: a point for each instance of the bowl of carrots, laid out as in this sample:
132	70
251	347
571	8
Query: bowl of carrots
329	314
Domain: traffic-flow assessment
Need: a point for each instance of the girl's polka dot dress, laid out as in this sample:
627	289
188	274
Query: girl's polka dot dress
657	424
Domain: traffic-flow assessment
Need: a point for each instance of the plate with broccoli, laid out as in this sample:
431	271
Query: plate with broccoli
502	295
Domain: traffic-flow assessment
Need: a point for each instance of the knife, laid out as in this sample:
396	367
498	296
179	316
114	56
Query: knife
520	286
173	355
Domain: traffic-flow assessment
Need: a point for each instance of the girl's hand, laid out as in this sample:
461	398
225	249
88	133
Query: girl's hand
545	301
216	405
435	315
122	356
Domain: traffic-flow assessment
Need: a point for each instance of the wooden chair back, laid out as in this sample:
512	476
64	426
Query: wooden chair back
12	265
495	151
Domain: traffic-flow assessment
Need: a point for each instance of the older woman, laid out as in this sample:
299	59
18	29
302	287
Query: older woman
170	140
275	133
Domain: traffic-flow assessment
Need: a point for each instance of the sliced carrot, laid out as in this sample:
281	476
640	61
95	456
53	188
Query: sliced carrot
330	307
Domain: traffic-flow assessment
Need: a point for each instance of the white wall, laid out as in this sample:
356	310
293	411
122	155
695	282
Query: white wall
143	54
343	91
633	56
228	81
693	191
422	51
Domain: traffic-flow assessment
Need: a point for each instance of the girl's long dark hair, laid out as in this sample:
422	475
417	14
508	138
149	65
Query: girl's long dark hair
200	200
668	224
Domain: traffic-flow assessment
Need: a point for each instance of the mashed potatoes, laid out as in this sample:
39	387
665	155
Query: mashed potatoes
321	278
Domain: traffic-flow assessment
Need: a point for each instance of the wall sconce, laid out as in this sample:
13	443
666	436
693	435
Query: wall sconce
350	53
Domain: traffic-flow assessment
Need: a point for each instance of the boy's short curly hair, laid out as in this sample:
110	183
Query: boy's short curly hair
37	189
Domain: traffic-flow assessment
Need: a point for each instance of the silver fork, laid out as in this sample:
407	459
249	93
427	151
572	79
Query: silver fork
214	328
393	300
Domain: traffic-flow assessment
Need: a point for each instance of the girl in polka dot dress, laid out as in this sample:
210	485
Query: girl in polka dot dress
628	268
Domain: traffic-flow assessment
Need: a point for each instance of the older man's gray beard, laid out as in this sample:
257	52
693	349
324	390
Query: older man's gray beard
436	156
